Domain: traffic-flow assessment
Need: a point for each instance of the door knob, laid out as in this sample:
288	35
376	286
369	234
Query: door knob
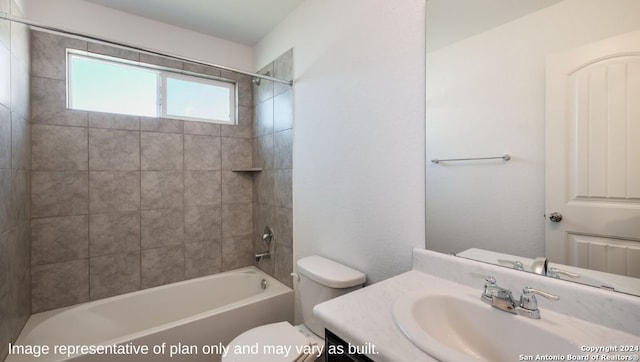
555	217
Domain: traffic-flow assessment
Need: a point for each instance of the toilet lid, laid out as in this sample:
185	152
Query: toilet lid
274	342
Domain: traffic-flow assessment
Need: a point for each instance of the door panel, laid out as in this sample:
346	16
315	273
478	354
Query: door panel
593	154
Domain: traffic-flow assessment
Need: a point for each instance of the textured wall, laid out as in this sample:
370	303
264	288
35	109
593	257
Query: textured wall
14	177
273	153
121	203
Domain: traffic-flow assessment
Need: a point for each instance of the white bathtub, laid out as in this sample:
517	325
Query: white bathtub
206	313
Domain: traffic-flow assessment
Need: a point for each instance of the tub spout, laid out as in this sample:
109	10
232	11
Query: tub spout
260	256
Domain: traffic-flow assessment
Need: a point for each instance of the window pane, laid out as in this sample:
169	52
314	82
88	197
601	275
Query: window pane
103	86
192	99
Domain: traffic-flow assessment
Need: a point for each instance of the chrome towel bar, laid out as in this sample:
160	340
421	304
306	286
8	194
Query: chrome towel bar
506	157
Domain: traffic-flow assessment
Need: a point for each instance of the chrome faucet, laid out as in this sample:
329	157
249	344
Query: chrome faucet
502	299
529	303
498	297
541	266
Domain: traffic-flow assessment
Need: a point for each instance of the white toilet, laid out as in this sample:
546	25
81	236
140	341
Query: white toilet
320	279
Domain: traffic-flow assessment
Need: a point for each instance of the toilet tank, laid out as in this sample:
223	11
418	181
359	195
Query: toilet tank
322	279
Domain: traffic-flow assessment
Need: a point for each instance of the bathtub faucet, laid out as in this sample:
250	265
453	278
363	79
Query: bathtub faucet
265	255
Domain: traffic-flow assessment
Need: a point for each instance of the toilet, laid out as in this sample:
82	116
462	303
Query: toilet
320	279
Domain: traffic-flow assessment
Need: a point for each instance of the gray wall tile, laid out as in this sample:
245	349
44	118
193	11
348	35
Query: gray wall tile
48	57
283	149
245	90
20	189
56	148
202	188
112	191
202	223
237	252
161	151
264	187
282	194
142	201
162	61
49	280
201	69
284	265
20	143
59	193
263	121
244	124
236	153
264	215
161	125
48	104
202	153
264	91
162	266
283	112
237	219
114	233
6	330
5	137
162	189
114	121
283	226
283	69
263	151
113	51
59	239
7	216
15	248
114	150
202	258
237	187
114	274
273	151
162	227
201	128
20	84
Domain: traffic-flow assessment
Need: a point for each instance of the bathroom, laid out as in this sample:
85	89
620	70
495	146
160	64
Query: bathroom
344	161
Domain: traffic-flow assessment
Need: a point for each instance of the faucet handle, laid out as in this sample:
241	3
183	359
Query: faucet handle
515	264
555	273
529	303
529	292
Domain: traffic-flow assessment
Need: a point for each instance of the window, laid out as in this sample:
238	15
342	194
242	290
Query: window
106	84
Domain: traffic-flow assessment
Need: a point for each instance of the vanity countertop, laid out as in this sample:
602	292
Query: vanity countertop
364	317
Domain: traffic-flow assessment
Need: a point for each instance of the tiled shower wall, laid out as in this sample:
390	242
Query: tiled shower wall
14	177
122	203
273	153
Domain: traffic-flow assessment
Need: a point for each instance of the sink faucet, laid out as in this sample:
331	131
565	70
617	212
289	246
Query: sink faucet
502	299
541	266
498	297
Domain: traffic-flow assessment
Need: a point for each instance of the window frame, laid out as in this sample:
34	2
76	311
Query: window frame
163	73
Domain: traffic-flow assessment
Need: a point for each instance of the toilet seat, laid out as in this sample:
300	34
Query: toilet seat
281	335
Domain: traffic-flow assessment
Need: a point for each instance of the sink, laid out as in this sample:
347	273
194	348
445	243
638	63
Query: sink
462	328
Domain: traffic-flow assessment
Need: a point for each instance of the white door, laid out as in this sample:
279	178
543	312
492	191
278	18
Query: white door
593	156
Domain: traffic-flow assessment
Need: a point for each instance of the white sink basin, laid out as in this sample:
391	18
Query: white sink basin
452	328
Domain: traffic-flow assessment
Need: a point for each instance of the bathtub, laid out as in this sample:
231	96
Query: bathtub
186	321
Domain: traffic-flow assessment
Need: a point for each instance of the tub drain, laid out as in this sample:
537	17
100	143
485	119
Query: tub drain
264	284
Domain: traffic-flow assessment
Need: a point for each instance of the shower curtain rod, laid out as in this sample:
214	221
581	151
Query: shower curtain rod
5	16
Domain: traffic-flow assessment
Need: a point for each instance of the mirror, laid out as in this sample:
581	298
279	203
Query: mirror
486	96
